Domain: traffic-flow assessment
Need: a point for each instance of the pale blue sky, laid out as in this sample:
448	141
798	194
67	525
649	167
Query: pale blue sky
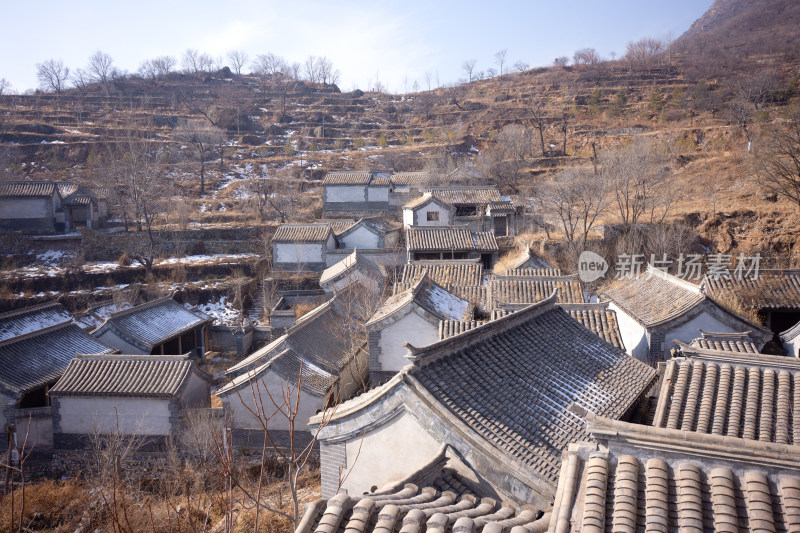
390	40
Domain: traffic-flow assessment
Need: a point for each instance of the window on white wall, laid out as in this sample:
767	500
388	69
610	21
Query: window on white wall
433	216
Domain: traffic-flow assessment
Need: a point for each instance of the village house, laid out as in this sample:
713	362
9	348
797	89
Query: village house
738	394
656	308
302	247
773	294
527	260
30	364
141	395
448	243
84	207
160	327
475	208
632	477
32	207
413	314
323	354
405	186
369	234
354	268
501	395
355	192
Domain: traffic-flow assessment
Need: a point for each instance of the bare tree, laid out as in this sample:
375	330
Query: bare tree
195	62
238	60
311	69
468	67
5	86
561	61
101	69
576	198
204	137
500	59
505	160
777	160
639	183
586	56
428	78
521	66
643	54
52	75
536	116
157	67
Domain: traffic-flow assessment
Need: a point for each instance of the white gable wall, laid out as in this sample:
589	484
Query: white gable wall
196	393
420	215
792	347
413	329
109	337
633	334
402	439
690	330
137	416
276	385
360	238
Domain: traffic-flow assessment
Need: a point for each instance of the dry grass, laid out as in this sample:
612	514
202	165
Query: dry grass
302	309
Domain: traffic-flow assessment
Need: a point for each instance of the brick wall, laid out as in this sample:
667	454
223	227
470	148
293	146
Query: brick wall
332	457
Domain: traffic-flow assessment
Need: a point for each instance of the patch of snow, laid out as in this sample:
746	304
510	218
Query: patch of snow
221	310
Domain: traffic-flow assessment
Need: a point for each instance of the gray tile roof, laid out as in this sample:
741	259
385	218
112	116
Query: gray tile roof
424	200
74	194
466	195
531	272
429	295
26	189
411	178
444	273
30	319
302	233
143	376
741	395
152	323
352	262
440	494
655	299
36	359
324	341
510	290
445	238
597	318
733	342
347	178
771	290
451	328
513	381
645	479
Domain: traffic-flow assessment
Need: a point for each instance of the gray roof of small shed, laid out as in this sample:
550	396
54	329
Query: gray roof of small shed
36	359
142	376
30	319
302	233
150	324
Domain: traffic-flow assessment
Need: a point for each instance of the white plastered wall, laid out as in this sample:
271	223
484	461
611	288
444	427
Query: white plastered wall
389	453
377	194
25	208
360	238
276	385
110	338
422	215
298	253
136	416
413	329
343	193
690	330
634	336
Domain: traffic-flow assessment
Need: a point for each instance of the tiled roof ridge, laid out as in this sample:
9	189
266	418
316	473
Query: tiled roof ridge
742	335
357	403
36	333
742	358
29	309
432	352
350	262
688	285
132	357
140	307
599	306
309	317
698	444
790	333
509	279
